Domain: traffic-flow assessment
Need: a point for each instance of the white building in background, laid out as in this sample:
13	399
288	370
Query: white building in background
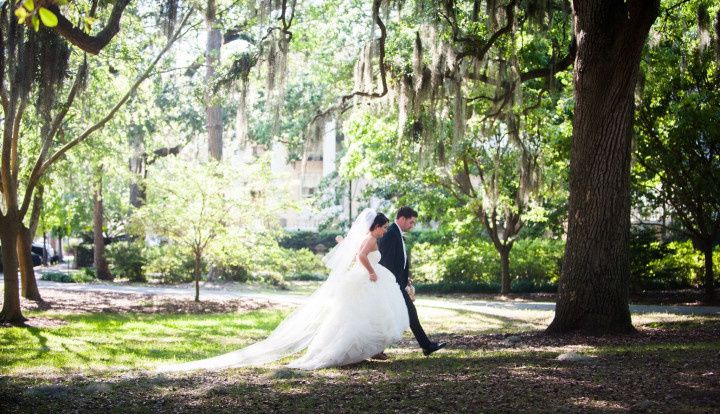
319	161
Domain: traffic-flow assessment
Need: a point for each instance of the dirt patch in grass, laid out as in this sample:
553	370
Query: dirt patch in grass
113	302
686	297
664	333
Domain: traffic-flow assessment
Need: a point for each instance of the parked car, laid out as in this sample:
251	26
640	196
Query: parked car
37	248
36	259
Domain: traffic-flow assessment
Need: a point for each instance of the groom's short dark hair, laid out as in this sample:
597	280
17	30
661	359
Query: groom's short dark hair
406	212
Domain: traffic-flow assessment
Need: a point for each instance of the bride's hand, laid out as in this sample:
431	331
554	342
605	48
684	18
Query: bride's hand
373	277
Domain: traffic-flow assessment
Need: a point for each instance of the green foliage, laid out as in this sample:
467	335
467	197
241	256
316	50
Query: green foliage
57	277
309	240
239	257
678	134
127	260
657	265
169	263
534	264
287	262
213	211
72	277
307	277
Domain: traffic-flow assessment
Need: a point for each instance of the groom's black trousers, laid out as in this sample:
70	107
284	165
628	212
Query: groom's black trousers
415	326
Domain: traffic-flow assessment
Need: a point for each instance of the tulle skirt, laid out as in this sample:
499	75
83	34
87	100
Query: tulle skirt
347	320
364	318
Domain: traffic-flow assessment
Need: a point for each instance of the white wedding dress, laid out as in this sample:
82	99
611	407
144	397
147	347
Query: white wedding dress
363	318
347	320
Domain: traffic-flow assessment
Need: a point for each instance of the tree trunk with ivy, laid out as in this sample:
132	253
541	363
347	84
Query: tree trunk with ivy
594	285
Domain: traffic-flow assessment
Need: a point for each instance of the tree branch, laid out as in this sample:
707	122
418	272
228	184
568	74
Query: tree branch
48	140
551	70
14	165
60	152
478	49
84	41
342	104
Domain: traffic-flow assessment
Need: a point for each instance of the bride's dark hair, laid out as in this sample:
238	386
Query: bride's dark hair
379	221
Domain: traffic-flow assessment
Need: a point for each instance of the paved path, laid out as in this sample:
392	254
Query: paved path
481	306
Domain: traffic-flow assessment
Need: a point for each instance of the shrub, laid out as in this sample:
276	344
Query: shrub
656	265
169	263
537	261
307	277
57	277
74	277
83	255
311	240
88	273
475	266
232	272
84	276
127	260
457	287
273	279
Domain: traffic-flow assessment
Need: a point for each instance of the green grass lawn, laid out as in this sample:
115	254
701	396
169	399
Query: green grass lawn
98	342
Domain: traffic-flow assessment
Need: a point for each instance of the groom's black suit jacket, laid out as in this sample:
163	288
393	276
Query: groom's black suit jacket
392	256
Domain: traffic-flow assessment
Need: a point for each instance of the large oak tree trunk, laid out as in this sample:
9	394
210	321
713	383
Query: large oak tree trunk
594	289
101	265
213	109
11	312
27	272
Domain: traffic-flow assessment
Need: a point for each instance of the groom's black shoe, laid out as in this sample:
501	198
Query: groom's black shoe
433	348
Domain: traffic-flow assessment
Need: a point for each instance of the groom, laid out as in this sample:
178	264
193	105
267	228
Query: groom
394	258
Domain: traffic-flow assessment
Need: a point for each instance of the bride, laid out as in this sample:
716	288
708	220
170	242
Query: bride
355	314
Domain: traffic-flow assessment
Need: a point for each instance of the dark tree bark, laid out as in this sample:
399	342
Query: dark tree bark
505	270
28	282
11	312
84	41
213	109
593	291
101	264
709	274
59	251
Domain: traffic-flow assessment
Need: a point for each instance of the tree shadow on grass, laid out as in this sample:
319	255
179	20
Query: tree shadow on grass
479	382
